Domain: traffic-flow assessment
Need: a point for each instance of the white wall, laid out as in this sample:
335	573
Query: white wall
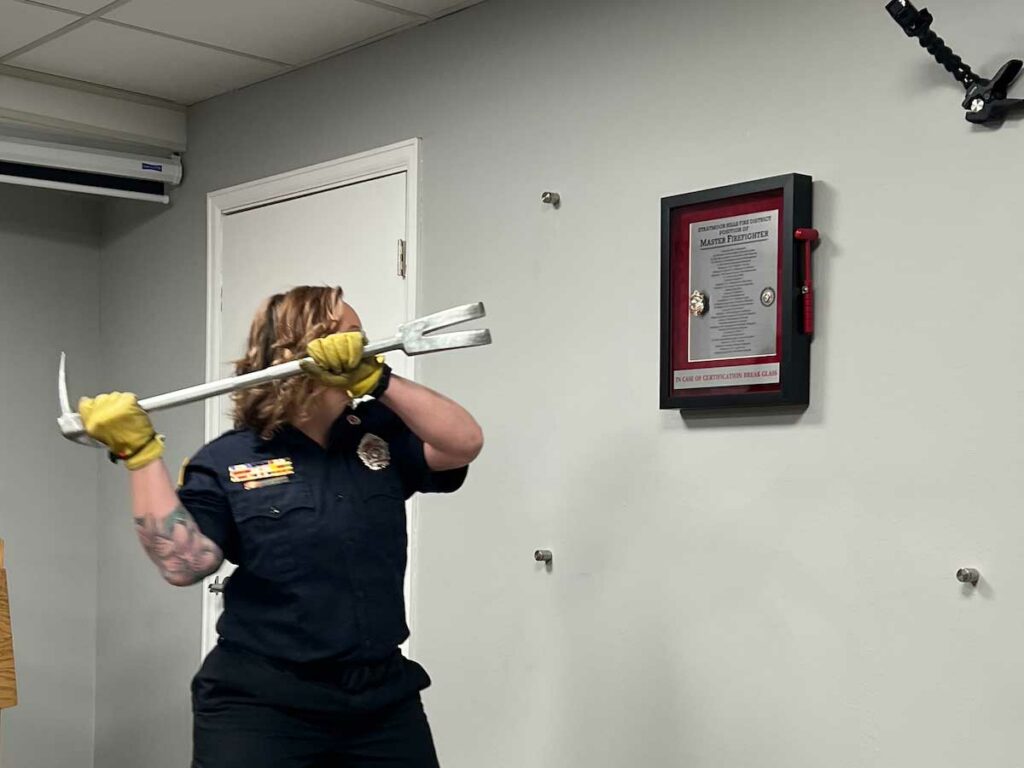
49	259
770	591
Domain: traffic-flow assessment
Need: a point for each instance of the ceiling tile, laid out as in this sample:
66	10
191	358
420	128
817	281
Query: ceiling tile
294	32
82	6
21	24
144	63
433	8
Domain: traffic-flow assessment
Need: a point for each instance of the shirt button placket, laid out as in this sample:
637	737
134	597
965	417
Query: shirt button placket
357	592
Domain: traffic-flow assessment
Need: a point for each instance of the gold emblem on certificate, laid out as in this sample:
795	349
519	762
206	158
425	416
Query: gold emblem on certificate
698	303
373	451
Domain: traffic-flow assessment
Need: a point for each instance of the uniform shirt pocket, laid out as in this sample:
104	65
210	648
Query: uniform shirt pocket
273	524
382	513
386	483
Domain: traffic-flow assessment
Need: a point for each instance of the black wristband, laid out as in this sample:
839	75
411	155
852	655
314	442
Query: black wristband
114	458
383	382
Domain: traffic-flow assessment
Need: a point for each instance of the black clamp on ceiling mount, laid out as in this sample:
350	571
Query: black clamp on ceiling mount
985	100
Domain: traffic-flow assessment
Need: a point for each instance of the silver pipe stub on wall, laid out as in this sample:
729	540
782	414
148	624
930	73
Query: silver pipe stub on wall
968	576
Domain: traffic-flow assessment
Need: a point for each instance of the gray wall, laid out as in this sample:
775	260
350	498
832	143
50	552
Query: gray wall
827	628
49	267
148	640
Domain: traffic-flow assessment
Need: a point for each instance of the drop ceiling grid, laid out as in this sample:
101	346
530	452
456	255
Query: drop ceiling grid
191	50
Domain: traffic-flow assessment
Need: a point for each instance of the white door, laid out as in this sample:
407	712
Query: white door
347	236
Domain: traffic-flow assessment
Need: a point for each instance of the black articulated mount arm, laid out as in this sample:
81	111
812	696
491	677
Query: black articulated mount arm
985	100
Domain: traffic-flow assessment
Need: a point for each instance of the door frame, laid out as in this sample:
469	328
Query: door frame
401	157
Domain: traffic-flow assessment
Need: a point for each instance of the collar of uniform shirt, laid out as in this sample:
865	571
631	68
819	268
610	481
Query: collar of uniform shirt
342	430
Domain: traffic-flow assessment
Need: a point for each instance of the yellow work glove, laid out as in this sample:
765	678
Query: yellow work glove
339	362
117	421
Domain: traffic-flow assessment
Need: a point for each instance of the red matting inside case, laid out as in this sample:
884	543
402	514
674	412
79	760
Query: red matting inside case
680	287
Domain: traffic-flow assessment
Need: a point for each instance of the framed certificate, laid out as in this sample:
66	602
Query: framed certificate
736	312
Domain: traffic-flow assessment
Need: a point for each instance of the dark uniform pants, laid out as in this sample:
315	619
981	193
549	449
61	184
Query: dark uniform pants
254	712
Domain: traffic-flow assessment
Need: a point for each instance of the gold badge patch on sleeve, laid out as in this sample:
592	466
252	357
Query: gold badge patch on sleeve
265	470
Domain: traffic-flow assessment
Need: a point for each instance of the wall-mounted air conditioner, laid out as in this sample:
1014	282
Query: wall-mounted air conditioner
92	171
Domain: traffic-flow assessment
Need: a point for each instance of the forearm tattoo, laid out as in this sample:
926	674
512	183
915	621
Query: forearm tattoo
177	546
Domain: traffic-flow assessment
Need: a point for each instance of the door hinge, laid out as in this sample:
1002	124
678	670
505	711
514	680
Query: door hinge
401	258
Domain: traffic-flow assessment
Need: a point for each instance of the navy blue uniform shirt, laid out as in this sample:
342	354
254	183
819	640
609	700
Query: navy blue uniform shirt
318	534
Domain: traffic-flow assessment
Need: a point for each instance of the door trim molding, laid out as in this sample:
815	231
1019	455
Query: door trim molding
365	166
